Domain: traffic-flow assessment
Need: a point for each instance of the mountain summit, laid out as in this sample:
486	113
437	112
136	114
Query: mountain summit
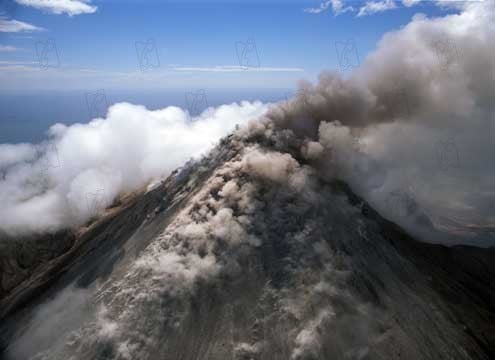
253	252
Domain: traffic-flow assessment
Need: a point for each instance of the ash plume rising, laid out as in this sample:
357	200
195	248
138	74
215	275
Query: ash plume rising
412	130
254	253
262	249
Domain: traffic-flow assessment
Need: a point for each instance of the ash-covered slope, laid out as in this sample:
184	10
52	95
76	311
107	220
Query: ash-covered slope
252	254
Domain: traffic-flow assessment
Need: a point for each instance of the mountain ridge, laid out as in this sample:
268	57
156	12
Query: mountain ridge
318	273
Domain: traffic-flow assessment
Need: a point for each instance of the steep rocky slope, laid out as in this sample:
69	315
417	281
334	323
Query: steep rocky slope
251	254
21	257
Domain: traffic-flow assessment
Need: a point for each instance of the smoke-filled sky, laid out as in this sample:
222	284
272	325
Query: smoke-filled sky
411	129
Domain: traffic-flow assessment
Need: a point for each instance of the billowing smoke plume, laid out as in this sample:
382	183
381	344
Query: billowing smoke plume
410	131
254	200
82	168
413	129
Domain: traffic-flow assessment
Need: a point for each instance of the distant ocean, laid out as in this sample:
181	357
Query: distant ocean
26	116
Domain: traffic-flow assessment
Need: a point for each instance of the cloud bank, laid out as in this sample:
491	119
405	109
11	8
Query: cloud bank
82	168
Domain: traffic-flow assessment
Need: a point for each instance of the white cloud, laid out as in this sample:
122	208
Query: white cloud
16	68
322	8
337	7
8	48
13	26
70	7
83	167
373	7
234	68
15	153
409	3
21	75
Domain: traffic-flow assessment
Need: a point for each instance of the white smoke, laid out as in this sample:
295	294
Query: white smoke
82	168
414	126
414	122
53	321
12	154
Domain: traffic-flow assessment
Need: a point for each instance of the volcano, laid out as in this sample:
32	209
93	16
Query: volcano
248	253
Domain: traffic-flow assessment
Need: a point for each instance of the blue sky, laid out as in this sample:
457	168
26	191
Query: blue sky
164	44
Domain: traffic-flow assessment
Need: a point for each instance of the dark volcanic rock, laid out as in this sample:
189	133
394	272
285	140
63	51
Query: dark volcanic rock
20	258
228	260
